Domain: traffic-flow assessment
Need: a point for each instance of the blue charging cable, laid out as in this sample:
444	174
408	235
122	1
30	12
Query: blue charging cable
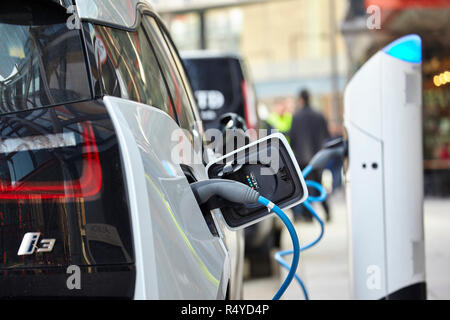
240	193
296	245
279	255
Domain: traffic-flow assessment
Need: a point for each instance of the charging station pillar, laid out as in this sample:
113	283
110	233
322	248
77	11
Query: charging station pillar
383	119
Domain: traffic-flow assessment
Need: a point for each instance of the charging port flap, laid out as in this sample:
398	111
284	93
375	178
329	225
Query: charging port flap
267	166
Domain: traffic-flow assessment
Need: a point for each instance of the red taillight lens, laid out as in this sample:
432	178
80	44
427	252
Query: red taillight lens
87	185
251	119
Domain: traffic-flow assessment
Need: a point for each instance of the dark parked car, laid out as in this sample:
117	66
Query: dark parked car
221	85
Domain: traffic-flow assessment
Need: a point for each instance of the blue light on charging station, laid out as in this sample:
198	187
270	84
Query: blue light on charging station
407	48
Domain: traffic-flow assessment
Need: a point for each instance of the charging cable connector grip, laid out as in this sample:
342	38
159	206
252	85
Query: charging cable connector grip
226	189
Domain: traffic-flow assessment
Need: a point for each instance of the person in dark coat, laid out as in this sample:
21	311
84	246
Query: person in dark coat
308	133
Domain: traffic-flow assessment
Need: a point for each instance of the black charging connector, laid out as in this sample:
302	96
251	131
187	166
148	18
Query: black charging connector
337	148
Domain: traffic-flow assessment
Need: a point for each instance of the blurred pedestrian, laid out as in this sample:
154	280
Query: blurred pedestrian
308	132
280	118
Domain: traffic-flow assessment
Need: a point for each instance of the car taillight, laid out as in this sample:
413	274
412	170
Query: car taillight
87	185
251	119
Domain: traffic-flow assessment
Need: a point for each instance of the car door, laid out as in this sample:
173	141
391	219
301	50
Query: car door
178	255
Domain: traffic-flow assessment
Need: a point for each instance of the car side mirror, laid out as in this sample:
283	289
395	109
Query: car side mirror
234	133
267	165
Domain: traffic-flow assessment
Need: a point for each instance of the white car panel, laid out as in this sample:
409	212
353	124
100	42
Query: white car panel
188	262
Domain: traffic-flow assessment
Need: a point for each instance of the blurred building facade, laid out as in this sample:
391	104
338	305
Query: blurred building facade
319	44
431	20
287	44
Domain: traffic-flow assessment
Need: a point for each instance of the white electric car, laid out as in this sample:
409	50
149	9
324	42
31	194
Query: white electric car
91	93
102	157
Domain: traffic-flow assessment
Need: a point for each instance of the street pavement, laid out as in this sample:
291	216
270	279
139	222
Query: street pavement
324	268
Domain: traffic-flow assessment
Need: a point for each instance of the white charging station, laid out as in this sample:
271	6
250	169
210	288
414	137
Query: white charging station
383	119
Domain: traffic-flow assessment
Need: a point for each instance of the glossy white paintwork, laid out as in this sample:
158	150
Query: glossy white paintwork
177	257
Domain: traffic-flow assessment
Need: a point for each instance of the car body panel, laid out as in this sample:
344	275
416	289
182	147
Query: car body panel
188	260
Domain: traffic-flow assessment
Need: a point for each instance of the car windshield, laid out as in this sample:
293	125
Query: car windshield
41	58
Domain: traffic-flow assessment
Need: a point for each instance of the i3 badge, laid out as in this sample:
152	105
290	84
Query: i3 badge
30	244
